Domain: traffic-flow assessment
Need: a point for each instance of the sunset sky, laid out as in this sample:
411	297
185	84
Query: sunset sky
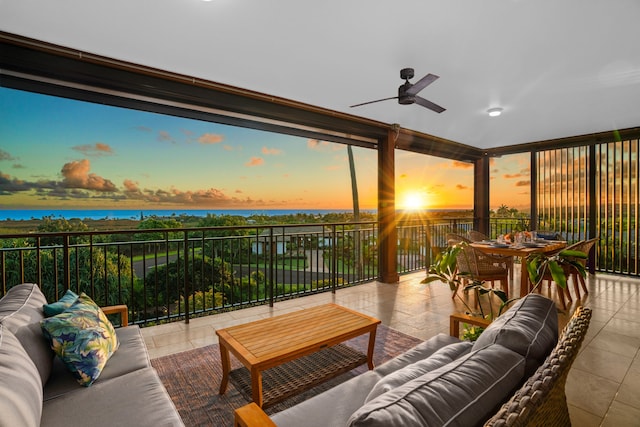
58	153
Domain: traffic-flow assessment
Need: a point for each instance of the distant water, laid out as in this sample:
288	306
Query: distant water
17	214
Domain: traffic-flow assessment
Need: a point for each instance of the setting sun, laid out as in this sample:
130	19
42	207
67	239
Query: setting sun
413	201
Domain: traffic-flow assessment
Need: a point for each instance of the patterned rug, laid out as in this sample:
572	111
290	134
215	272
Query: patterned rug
192	378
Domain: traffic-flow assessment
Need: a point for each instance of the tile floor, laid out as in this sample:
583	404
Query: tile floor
603	387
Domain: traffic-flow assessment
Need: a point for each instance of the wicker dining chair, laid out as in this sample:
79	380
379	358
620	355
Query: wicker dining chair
571	273
480	266
477	236
507	261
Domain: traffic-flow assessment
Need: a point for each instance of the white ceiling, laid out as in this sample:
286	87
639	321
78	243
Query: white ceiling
558	67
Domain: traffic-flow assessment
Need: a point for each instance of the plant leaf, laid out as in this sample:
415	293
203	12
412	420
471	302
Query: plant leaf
557	272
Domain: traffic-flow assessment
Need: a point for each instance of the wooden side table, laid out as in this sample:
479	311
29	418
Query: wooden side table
456	319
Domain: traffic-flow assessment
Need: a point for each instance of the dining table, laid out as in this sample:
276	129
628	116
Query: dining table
521	250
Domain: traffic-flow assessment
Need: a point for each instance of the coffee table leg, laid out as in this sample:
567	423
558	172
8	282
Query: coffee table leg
256	386
372	343
226	367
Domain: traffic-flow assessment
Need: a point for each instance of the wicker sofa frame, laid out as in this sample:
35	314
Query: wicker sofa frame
541	401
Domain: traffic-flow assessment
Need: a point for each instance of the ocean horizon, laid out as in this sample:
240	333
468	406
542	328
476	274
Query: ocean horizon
137	214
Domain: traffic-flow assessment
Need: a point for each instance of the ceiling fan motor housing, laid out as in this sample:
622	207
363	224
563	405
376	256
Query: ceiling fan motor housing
403	97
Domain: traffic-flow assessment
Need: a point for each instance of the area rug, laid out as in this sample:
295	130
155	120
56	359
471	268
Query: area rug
192	378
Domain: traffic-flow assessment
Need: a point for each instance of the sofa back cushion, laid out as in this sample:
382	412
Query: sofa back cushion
22	305
462	393
20	384
529	327
21	312
440	358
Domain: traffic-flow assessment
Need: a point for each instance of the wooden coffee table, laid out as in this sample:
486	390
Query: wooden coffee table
296	338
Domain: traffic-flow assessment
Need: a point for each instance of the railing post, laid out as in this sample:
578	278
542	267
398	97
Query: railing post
67	267
186	276
334	258
273	247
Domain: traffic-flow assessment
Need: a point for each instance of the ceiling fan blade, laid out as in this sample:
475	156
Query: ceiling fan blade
430	105
422	83
371	102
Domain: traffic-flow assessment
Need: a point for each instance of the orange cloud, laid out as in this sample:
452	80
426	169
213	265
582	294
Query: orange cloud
461	165
255	161
462	187
523	183
210	138
76	175
272	151
509	176
97	149
130	186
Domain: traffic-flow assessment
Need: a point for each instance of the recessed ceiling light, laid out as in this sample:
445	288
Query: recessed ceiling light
494	112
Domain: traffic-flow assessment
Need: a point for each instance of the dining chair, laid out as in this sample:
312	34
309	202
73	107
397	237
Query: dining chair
507	261
585	246
482	267
571	273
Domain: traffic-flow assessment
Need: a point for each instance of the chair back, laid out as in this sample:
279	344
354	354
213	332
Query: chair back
477	236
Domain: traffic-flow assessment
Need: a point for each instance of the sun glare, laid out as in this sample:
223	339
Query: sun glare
414	201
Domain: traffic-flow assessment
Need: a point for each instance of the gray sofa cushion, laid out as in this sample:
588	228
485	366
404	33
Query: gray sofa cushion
462	393
131	356
419	352
440	358
529	327
20	384
22	305
135	399
330	408
21	312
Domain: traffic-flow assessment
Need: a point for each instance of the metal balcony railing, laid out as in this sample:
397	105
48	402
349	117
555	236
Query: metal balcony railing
164	275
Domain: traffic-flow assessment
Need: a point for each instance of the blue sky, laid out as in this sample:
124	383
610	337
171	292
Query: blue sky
60	153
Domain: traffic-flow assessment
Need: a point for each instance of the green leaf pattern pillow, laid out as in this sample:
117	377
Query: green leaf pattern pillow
83	338
61	305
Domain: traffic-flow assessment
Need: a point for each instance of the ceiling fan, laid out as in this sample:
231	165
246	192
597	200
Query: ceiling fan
408	92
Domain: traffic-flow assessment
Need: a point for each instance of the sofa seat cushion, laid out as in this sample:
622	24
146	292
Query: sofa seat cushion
83	338
21	312
135	399
529	327
131	356
330	408
20	384
440	358
462	393
419	352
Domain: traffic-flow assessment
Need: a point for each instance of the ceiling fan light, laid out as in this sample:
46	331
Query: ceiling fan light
494	112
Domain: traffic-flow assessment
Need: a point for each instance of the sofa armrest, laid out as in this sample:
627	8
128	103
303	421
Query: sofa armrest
456	319
252	415
121	309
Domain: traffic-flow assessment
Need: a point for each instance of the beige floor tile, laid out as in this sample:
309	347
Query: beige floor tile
590	392
621	415
580	417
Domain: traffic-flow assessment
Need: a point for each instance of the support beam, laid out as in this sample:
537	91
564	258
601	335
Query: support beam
387	238
481	195
533	199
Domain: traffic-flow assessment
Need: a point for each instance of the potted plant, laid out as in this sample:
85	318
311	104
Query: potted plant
444	269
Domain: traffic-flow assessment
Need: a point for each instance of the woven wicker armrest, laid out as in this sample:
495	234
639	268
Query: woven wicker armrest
541	401
252	415
122	310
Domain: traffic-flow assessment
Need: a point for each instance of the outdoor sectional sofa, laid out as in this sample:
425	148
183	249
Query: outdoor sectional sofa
37	389
513	375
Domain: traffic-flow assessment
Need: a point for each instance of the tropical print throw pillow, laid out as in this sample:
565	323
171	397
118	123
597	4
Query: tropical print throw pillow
83	338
